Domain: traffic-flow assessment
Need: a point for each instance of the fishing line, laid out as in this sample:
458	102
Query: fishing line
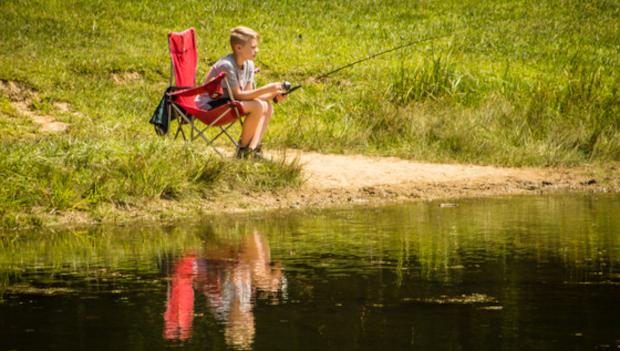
290	88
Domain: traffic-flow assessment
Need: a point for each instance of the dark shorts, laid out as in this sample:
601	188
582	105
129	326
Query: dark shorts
217	103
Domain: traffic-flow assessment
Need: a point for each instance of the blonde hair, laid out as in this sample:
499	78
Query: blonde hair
242	35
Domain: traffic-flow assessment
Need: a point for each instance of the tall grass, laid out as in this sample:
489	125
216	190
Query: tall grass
432	78
547	122
71	174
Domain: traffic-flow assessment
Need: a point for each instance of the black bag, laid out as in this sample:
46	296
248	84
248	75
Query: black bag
161	117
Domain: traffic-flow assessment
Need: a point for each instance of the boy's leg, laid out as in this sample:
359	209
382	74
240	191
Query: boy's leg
268	114
254	122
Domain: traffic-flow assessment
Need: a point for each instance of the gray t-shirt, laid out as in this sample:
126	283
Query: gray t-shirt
235	76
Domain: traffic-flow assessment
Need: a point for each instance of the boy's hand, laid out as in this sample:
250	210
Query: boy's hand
278	98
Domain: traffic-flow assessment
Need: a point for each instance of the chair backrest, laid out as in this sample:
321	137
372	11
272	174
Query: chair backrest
184	56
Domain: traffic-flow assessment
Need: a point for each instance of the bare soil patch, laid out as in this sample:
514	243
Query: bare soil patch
22	99
122	78
341	180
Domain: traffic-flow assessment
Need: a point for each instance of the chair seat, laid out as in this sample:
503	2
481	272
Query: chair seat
209	116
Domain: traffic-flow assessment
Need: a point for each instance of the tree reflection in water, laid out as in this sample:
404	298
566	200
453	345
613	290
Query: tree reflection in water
229	277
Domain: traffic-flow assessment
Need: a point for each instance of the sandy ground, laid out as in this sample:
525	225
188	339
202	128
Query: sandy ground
343	180
357	171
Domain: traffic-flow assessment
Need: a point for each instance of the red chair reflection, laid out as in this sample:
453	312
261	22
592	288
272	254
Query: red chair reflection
179	314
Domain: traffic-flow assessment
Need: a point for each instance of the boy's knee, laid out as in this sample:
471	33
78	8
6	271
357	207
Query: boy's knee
253	106
264	105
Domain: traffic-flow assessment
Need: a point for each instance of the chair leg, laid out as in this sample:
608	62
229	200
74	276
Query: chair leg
182	118
180	130
225	131
195	132
209	142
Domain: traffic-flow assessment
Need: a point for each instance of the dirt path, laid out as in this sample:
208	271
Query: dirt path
340	180
357	171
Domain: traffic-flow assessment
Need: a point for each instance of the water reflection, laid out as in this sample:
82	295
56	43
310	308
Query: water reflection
229	276
179	313
494	274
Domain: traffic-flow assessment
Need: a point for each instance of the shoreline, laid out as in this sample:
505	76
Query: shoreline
349	181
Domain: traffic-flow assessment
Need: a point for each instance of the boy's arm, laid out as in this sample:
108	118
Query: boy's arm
270	90
267	96
272	97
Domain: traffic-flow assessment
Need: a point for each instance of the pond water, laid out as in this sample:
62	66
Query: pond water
515	273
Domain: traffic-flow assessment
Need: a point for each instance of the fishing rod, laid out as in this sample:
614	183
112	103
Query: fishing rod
289	88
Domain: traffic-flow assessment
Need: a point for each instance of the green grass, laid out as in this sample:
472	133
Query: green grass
72	174
517	83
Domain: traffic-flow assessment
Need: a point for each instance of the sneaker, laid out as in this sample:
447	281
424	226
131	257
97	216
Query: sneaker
243	152
257	156
258	151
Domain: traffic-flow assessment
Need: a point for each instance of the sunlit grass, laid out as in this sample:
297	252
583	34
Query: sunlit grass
72	174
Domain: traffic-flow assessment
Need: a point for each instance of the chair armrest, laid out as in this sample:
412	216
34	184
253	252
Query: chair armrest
213	88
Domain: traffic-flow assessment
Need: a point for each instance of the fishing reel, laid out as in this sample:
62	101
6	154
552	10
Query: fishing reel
288	88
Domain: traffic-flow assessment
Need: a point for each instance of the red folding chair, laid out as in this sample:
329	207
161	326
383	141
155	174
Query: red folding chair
181	96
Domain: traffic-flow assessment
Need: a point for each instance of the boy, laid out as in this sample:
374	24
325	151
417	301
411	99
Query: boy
239	68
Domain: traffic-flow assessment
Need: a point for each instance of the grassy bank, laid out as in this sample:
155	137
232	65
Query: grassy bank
516	83
63	174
